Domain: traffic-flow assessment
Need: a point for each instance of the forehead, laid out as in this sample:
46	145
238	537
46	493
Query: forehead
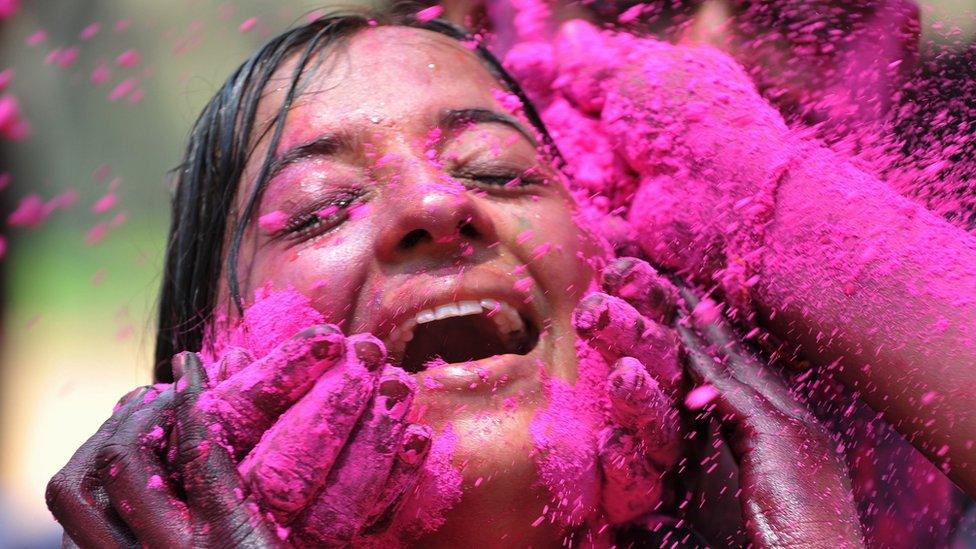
384	77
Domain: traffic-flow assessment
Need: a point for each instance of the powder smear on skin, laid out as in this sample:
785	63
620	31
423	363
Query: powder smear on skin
564	435
277	315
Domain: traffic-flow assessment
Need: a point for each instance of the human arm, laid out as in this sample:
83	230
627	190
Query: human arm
830	257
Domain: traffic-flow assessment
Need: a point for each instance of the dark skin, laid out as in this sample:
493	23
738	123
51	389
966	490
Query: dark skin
162	470
795	490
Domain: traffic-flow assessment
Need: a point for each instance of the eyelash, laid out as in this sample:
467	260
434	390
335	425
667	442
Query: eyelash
525	179
309	223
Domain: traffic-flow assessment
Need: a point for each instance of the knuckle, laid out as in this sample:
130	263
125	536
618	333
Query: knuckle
61	491
108	460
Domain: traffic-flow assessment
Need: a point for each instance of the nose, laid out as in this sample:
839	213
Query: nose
433	219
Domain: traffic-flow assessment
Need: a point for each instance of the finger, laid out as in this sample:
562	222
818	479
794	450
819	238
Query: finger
356	480
232	361
295	455
742	363
250	401
616	329
76	497
131	396
413	450
638	404
136	482
631	484
215	493
769	446
744	413
639	284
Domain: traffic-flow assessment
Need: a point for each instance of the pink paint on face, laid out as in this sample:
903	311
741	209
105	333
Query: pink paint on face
406	232
564	435
273	222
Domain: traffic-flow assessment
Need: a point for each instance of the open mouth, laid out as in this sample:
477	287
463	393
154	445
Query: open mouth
462	331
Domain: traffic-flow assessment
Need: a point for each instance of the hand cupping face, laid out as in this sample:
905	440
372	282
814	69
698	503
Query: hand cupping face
320	421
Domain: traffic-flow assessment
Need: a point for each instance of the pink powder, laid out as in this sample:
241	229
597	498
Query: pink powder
155	483
100	74
6	77
273	222
272	318
437	490
248	24
707	311
564	436
122	89
37	37
8	8
700	396
68	57
429	14
90	31
105	203
96	234
31	212
128	59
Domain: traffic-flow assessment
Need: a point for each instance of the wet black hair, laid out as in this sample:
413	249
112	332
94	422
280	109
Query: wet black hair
207	179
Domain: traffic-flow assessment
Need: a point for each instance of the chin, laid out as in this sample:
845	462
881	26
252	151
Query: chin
515	458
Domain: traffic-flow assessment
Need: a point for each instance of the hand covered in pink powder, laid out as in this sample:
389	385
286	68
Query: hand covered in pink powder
794	487
320	425
319	422
119	491
688	123
643	440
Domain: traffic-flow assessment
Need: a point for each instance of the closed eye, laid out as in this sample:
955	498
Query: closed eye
502	179
319	217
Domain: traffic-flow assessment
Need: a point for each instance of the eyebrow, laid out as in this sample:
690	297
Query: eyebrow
328	144
333	143
456	119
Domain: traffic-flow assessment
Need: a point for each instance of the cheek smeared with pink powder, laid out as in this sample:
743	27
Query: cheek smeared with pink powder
564	435
274	317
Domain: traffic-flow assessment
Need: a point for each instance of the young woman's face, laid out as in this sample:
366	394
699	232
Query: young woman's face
407	180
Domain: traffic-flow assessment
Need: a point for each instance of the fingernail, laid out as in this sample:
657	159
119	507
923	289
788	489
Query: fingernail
130	396
416	444
178	364
370	353
592	314
617	271
627	376
326	342
395	392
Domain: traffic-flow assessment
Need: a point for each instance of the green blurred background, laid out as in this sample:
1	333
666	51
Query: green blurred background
76	325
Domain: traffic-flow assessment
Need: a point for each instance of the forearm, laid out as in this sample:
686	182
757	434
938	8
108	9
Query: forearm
860	276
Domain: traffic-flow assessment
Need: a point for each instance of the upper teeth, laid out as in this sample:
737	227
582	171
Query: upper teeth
505	317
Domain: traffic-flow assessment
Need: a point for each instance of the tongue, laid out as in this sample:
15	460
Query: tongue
455	339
